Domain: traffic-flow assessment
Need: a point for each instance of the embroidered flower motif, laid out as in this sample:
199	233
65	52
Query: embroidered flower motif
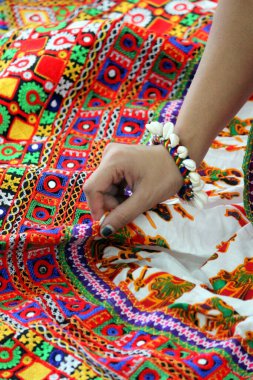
61	41
179	7
206	5
10	355
4	119
8	152
63	87
22	64
138	16
31	97
5	199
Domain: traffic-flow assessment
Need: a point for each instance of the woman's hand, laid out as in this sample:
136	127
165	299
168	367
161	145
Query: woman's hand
149	171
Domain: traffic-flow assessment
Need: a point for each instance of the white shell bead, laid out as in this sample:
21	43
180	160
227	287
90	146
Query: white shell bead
182	151
194	178
201	195
168	129
174	140
197	203
190	164
155	128
199	186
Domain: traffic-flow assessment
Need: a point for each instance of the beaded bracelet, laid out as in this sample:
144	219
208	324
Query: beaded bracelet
191	191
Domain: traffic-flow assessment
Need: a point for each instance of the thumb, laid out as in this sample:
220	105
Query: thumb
124	213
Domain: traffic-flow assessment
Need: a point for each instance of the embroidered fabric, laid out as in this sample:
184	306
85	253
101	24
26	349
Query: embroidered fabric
169	295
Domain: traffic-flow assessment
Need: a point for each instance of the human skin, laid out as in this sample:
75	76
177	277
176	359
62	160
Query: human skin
222	83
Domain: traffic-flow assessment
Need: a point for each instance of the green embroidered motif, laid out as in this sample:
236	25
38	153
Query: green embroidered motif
231	377
128	42
41	214
5	119
79	54
31	158
5	305
47	117
9	357
17	171
9	54
3	40
149	368
189	19
44	350
31	97
93	11
10	151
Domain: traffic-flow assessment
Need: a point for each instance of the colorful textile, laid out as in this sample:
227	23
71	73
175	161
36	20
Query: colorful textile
170	295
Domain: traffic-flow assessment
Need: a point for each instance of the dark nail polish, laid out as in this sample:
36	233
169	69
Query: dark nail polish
107	231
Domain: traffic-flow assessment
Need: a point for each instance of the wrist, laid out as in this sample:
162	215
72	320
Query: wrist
173	169
195	144
192	183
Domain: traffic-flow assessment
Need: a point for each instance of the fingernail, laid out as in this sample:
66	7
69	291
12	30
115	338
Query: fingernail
107	231
102	218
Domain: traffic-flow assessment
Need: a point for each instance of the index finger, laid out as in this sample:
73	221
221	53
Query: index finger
94	188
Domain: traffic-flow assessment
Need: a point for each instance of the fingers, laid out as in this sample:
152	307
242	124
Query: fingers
95	202
110	202
102	189
124	213
95	188
144	170
99	202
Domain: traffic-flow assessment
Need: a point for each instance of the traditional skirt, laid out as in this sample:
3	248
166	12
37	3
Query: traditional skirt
169	296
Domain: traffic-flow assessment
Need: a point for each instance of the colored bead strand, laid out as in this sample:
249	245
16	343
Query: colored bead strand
191	190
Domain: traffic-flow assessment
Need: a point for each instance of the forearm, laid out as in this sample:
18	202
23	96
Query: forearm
224	79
